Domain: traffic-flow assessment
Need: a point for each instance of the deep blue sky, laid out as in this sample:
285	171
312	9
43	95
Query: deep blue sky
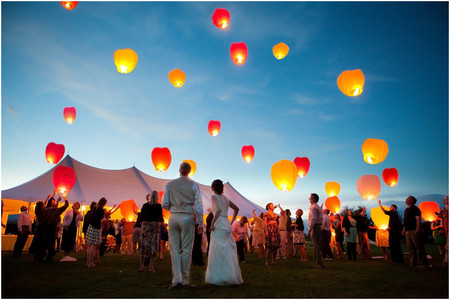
53	58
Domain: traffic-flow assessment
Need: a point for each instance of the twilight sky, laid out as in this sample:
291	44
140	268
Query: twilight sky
52	58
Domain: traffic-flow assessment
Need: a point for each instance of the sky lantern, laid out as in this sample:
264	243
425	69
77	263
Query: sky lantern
63	179
125	60
374	151
390	176
166	213
302	164
379	218
280	50
214	127
161	158
368	186
69	4
193	165
127	209
248	152
177	78
429	210
54	152
70	114
238	52
333	204
332	188
351	82
284	175
221	18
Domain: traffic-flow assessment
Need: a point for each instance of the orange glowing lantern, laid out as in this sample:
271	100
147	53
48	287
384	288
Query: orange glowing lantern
166	213
221	18
248	152
125	60
127	209
238	52
302	164
333	204
177	78
54	152
63	179
284	175
193	165
374	151
280	50
214	127
332	188
69	4
70	114
351	82
379	218
368	186
429	210
161	158
390	176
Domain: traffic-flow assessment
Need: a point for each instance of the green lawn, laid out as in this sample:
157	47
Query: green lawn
118	277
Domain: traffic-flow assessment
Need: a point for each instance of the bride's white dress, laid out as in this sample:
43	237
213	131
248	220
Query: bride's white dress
223	267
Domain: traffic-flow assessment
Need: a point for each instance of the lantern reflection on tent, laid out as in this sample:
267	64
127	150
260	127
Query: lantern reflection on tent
127	209
379	218
374	151
193	165
63	179
248	152
221	18
70	114
54	152
332	188
333	204
238	53
284	175
302	164
368	186
429	210
390	176
69	4
177	78
125	60
351	82
214	127
280	50
161	158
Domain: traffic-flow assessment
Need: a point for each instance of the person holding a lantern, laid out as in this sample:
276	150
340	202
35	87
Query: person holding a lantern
395	232
52	217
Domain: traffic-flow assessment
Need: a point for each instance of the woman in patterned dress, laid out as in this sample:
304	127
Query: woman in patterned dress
273	237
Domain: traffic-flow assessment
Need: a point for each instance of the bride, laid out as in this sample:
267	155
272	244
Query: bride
223	267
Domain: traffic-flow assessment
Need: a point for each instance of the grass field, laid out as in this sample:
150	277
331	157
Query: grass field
118	277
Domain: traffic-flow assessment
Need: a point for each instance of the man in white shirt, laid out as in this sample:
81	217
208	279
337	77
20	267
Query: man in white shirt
182	198
239	230
23	231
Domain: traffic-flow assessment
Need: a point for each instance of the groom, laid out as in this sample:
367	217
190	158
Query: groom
182	199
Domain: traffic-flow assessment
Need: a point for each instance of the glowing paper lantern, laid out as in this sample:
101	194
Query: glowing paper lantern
332	188
333	204
63	179
214	127
429	210
390	176
379	218
193	165
221	18
161	158
374	151
69	4
54	152
166	213
125	60
351	82
238	52
368	186
177	78
280	50
248	152
127	209
302	164
70	114
284	175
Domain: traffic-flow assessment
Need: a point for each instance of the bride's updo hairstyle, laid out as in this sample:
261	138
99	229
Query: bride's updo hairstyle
217	186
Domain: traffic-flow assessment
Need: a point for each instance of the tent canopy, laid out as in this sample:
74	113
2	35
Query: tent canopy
116	185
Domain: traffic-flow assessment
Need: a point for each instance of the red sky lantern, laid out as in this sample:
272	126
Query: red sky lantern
214	127
70	114
63	179
161	158
69	4
221	18
248	152
368	186
238	52
54	152
302	164
127	209
428	209
333	204
390	176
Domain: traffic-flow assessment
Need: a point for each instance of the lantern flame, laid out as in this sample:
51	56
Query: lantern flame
357	92
123	69
224	24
